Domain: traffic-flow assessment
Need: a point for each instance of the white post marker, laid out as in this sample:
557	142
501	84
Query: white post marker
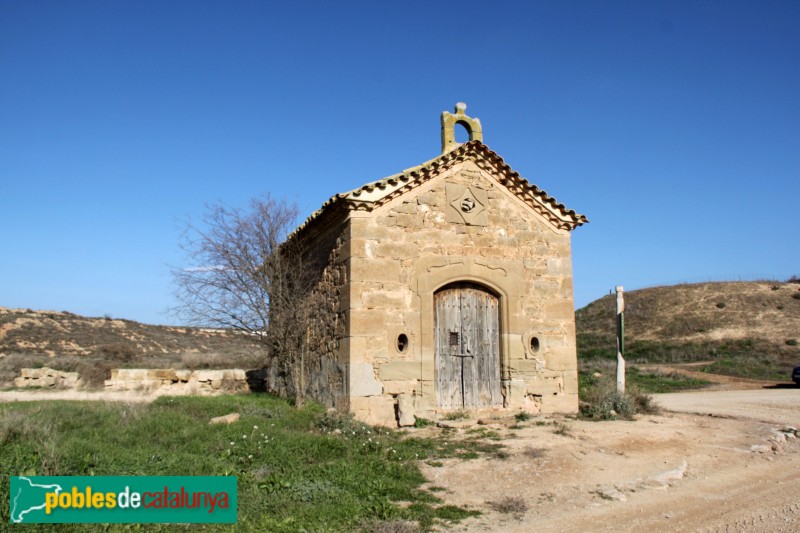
620	341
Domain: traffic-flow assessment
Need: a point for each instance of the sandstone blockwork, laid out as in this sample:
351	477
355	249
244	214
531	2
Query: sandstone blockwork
447	287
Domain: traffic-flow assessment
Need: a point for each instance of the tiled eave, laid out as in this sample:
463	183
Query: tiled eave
378	193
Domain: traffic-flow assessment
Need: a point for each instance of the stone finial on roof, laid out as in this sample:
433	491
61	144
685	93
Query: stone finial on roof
449	121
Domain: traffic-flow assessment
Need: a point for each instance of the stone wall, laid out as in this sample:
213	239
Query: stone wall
324	372
404	252
177	381
46	378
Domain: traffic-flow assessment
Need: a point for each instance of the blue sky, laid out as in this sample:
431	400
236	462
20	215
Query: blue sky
674	126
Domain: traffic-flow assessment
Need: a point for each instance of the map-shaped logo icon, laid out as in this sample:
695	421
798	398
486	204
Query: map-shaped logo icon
28	498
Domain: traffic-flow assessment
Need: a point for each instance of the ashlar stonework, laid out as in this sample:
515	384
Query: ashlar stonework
446	287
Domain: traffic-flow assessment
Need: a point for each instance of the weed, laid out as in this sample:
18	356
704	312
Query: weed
561	428
509	504
457	415
534	453
422	422
522	416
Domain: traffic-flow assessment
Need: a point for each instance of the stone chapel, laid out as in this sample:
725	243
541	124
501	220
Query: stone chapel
446	287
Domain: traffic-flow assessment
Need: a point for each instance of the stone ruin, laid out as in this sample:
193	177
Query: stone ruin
46	378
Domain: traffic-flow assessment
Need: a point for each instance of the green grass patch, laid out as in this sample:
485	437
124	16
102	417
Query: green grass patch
298	469
766	368
654	382
645	382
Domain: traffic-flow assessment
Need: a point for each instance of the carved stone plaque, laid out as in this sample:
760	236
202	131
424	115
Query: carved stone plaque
467	205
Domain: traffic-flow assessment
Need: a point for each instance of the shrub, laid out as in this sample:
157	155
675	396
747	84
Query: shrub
123	353
721	305
796	296
793	279
602	402
94	373
791	342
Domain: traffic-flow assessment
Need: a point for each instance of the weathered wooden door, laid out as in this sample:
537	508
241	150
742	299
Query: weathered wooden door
467	347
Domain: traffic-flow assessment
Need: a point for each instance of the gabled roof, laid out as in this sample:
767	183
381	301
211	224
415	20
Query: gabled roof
373	195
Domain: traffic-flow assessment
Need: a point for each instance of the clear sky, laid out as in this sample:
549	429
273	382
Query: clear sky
674	126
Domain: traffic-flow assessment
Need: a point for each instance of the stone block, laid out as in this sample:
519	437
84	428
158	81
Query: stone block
364	269
162	374
234	374
428	198
524	368
381	299
561	358
561	309
128	374
402	370
406	208
570	379
396	250
209	375
183	375
399	387
405	411
362	380
409	221
557	266
562	403
367	322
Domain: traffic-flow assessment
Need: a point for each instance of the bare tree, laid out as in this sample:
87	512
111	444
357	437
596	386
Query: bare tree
244	274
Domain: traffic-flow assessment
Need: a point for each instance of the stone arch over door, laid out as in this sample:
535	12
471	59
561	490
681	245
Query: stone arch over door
467	347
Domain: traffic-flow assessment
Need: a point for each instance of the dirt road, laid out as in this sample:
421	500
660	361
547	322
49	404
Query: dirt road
777	405
735	470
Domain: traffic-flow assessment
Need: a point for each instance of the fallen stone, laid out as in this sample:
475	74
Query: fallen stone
611	493
671	475
226	419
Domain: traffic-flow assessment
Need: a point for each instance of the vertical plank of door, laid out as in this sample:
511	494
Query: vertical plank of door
469	322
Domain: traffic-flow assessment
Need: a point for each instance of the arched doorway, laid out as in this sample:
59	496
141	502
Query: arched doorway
467	347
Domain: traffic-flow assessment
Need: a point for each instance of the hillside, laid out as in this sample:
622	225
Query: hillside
747	328
72	342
